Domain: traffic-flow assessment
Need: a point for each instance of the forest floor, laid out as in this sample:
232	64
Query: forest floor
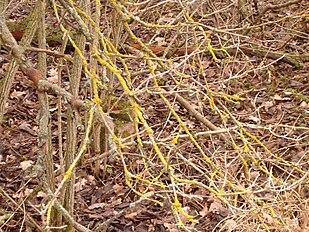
276	109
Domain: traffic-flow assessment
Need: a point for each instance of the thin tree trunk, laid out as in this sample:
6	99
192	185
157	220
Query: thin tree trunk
7	81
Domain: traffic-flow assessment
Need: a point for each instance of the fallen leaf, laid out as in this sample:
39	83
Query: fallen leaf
53	76
97	205
41	194
304	105
17	94
91	179
28	128
229	225
172	227
161	41
118	189
131	215
217	208
254	119
116	202
267	105
26	164
204	211
279	98
79	185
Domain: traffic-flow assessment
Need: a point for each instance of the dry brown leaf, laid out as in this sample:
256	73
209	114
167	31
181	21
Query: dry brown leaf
97	205
204	211
17	94
28	128
118	201
26	164
119	189
172	227
53	76
131	215
41	194
80	184
229	225
218	208
91	179
279	98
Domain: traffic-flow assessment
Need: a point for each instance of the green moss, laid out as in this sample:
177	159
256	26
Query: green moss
298	96
53	34
272	87
284	81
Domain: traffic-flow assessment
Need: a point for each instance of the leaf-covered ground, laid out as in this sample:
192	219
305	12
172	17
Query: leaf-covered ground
253	179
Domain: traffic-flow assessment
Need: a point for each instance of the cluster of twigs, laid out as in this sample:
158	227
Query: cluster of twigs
185	134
